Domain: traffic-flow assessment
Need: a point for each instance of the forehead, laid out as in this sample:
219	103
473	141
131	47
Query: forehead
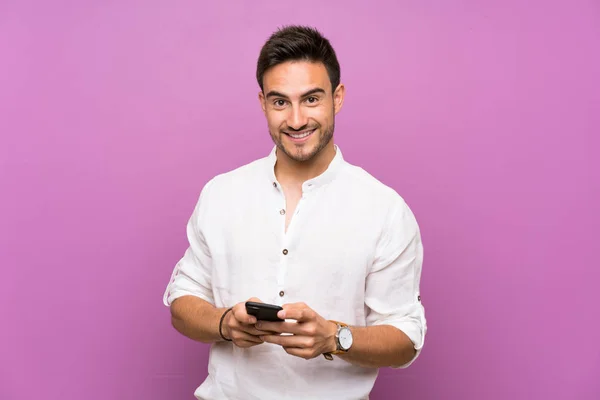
296	77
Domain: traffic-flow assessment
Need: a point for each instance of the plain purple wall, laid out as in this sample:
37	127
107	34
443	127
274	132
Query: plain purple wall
484	115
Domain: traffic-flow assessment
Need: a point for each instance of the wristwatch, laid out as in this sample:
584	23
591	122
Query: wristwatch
343	340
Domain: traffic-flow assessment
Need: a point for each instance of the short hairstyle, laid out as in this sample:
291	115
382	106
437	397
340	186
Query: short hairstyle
298	43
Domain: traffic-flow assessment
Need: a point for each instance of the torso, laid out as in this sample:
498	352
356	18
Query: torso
323	258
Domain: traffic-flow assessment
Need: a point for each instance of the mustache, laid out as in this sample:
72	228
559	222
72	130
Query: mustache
302	128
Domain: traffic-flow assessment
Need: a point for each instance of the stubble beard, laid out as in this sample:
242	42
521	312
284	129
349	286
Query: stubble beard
301	156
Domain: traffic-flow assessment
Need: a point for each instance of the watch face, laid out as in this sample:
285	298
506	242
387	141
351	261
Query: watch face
345	338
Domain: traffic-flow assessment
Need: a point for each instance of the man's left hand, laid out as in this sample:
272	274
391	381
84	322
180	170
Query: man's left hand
311	334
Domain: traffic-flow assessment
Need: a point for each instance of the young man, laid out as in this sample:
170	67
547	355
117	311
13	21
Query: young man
303	229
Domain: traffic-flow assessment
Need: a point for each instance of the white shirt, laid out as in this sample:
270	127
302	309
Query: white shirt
353	253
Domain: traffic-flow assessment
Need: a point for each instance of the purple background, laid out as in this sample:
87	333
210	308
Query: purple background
484	115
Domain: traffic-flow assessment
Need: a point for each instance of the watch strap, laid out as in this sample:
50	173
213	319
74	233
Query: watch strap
329	356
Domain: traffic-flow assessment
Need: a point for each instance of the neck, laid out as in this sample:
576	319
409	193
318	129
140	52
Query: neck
289	171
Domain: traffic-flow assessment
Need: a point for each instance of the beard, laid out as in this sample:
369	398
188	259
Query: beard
299	153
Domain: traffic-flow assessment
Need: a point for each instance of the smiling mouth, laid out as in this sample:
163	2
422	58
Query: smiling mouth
300	135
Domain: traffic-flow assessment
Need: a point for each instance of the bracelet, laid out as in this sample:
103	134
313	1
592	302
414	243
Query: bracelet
221	324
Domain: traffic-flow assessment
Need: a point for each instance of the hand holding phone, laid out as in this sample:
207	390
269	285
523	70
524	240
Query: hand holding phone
239	326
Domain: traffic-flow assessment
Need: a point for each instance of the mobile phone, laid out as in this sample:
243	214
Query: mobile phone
263	311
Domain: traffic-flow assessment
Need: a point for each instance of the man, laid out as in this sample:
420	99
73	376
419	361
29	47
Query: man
304	229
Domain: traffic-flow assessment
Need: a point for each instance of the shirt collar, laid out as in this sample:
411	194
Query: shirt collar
327	176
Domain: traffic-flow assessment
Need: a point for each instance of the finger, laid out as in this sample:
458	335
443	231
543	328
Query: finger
240	314
307	354
290	341
239	336
297	311
279	327
294	306
251	330
235	324
245	344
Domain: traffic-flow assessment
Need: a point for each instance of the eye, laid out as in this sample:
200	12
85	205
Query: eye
312	100
279	103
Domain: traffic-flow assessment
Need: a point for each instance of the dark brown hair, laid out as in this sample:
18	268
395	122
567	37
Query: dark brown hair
297	43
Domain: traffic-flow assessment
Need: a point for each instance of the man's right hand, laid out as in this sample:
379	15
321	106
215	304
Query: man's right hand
238	326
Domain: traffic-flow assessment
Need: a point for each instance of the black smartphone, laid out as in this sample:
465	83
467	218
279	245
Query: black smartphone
263	311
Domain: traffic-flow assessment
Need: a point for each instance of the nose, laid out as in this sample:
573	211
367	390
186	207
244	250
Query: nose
297	119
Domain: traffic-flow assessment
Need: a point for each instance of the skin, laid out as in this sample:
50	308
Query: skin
297	97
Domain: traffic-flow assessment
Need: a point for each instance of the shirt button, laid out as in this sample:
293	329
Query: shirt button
281	293
274	184
282	211
285	251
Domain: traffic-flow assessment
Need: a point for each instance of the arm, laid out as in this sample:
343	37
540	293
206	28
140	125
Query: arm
196	319
392	290
199	320
378	346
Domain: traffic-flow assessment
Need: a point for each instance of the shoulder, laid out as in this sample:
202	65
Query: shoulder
384	205
372	189
237	180
225	190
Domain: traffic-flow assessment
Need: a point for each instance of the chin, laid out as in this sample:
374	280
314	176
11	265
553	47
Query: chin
305	154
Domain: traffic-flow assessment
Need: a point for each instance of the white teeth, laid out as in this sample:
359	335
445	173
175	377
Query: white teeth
302	135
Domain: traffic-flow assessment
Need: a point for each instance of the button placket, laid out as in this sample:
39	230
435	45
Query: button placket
284	262
282	268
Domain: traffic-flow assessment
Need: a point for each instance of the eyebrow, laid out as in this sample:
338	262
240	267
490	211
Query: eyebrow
274	93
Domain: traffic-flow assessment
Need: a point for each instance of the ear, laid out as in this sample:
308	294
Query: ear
261	99
338	97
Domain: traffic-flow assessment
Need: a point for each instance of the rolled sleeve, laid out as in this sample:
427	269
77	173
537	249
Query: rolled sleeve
192	274
392	293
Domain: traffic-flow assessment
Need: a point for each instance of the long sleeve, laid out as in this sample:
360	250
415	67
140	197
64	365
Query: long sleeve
393	284
192	274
